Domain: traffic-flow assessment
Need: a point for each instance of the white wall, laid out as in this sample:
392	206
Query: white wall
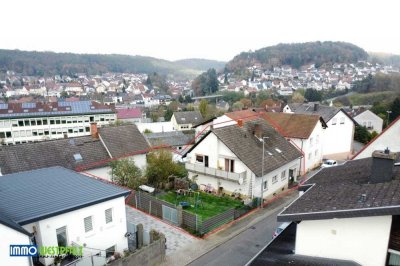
338	138
363	240
370	120
312	146
388	139
218	151
101	237
11	237
105	172
155	127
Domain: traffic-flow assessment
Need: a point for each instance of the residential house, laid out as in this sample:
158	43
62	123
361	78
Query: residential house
229	159
305	132
339	135
369	120
90	154
131	115
186	120
28	122
222	105
60	207
388	138
348	212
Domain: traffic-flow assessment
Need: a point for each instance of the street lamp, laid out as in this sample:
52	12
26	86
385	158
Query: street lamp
388	114
262	171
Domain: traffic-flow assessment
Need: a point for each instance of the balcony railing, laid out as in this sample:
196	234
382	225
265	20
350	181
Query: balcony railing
201	169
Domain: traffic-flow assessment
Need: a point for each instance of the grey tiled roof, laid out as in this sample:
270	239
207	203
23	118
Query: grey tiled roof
173	138
123	140
336	192
35	195
60	152
248	148
189	117
326	112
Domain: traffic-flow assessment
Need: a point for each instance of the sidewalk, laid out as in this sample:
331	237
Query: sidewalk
199	248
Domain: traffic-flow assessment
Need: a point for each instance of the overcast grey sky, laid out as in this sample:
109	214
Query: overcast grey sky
177	29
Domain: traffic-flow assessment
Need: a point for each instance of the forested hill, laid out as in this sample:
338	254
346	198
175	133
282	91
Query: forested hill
49	63
201	64
298	54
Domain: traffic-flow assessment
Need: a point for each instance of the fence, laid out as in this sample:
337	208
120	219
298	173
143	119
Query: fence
189	221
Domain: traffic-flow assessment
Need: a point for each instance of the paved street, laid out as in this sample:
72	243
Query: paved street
176	239
236	244
240	249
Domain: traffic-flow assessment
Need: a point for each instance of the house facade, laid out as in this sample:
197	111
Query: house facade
83	212
388	138
186	120
339	135
29	122
229	160
370	120
305	132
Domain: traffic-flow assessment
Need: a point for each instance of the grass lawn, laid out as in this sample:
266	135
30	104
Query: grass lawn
211	205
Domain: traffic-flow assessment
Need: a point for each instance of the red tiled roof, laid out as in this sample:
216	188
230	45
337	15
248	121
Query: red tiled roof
129	113
245	115
292	125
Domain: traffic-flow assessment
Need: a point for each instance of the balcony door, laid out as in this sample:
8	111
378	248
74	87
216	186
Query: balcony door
229	165
206	161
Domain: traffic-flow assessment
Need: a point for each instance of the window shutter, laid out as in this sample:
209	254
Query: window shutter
88	224
108	213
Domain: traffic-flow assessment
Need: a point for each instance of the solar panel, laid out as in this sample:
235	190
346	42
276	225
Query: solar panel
28	105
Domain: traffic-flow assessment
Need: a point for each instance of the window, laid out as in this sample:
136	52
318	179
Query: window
87	129
283	175
229	165
20	123
109	217
2	135
88	224
33	122
91	118
311	142
58	122
62	236
63	121
51	121
265	185
334	121
44	121
309	156
274	179
199	159
316	153
8	134
110	251
342	120
27	123
39	122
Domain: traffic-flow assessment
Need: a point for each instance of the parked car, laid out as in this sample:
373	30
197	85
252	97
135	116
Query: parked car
280	229
329	163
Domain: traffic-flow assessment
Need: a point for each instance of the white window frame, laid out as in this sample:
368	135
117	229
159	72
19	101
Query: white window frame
274	179
265	185
109	212
283	175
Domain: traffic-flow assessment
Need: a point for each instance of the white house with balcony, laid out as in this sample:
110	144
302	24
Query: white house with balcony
230	160
59	207
30	122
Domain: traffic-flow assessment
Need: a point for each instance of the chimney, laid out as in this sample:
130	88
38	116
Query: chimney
382	166
316	105
94	131
240	123
257	131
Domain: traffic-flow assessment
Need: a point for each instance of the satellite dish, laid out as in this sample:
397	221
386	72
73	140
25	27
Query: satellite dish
240	180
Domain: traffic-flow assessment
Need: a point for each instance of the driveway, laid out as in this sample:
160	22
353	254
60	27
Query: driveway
176	238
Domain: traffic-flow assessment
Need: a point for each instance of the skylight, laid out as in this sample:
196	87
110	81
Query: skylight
278	150
78	157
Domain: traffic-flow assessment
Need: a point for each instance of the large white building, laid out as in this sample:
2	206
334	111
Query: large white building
30	122
59	207
229	160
